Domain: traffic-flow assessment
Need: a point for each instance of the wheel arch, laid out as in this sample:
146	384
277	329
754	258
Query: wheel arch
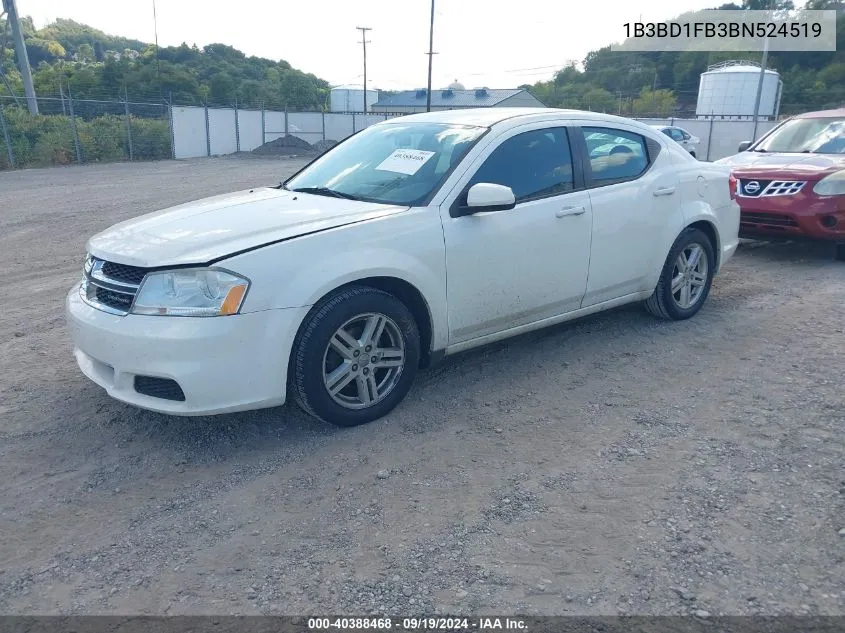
709	229
404	291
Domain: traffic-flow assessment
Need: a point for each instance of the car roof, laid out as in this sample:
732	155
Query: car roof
820	114
488	117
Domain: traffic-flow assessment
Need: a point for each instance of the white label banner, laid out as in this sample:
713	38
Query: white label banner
405	161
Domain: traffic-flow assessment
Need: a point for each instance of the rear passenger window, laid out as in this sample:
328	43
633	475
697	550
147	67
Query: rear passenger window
615	155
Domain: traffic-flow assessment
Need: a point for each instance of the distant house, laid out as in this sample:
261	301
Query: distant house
452	99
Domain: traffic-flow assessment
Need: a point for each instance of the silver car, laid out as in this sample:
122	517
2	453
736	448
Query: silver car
686	140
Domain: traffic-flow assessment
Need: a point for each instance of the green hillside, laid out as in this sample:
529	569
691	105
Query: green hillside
99	66
667	83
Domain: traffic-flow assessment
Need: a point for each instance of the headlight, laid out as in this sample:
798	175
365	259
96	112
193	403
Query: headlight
832	185
196	292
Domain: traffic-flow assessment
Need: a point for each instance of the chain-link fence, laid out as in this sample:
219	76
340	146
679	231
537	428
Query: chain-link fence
67	131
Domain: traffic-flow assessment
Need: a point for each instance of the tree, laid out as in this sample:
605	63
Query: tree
766	5
599	100
85	52
39	50
655	103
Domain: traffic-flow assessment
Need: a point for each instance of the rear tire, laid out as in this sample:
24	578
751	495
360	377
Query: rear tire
355	356
683	288
839	254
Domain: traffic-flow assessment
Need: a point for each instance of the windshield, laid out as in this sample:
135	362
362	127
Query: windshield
396	163
818	136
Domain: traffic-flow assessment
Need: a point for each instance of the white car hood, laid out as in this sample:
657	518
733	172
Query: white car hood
212	228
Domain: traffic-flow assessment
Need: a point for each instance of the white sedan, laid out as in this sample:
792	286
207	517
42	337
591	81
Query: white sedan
686	140
417	238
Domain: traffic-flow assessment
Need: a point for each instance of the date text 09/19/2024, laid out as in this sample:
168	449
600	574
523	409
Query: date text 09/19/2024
417	624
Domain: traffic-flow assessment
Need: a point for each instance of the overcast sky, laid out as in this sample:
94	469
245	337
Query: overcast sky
479	42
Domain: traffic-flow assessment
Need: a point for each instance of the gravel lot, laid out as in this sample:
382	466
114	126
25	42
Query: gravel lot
614	465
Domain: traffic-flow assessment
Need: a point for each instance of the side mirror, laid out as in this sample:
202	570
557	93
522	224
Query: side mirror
744	146
485	197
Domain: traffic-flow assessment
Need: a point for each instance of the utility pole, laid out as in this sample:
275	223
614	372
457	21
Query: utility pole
155	32
763	63
23	59
431	55
760	88
364	41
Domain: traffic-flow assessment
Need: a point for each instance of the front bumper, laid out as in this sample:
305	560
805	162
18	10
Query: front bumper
804	215
221	364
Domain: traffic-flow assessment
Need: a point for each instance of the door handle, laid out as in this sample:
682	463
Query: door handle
664	191
567	211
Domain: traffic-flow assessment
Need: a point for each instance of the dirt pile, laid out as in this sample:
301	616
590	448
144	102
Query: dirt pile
285	146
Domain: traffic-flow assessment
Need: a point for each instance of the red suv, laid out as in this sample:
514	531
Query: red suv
791	182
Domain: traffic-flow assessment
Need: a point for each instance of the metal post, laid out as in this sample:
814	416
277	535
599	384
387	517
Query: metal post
763	63
207	132
8	140
263	125
73	127
709	137
286	119
128	125
323	113
170	124
353	123
237	128
62	95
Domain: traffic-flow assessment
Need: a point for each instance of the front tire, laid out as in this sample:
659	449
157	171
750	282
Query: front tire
686	277
355	356
839	253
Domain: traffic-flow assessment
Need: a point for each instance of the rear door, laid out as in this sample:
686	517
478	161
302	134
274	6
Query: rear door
634	193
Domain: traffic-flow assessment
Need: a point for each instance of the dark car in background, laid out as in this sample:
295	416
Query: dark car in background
791	182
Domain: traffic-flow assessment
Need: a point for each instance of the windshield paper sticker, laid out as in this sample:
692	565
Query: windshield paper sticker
405	161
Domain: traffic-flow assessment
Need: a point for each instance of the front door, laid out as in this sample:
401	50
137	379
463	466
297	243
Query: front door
509	268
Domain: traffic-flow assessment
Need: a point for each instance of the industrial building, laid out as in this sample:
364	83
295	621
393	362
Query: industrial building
728	91
455	98
351	99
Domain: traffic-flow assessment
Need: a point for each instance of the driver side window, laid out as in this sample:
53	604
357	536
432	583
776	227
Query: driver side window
533	164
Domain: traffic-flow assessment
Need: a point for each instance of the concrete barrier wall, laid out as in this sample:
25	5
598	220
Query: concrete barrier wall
718	138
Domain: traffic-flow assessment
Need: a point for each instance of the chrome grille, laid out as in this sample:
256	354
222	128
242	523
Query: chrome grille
109	286
784	187
751	188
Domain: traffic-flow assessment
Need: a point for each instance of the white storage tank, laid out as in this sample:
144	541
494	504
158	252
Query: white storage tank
351	99
729	91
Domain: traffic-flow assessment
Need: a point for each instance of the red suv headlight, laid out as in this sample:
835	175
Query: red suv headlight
831	185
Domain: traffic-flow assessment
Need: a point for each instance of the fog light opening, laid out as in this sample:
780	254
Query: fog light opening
829	221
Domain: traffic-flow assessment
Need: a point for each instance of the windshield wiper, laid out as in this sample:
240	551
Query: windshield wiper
325	191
